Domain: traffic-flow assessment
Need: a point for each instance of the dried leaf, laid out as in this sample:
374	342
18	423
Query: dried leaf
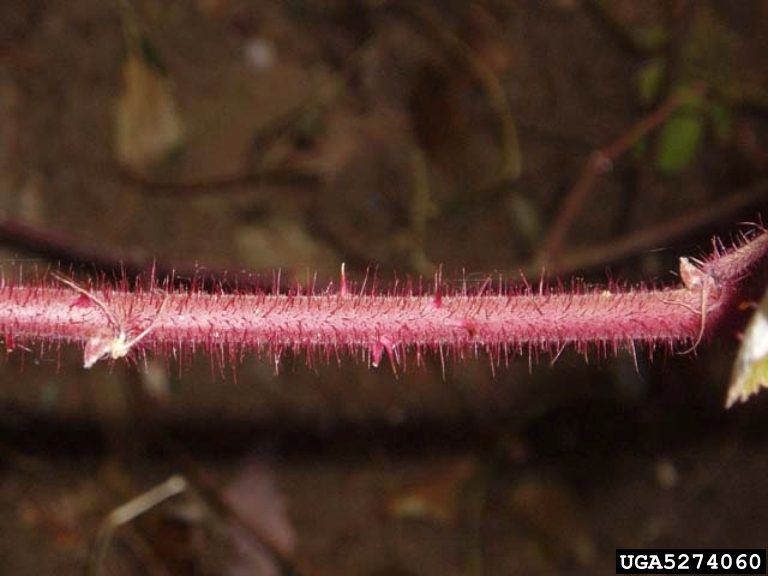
551	511
148	125
256	497
438	498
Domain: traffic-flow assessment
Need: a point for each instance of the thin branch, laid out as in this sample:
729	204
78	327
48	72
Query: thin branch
212	494
632	43
652	237
68	249
600	162
371	325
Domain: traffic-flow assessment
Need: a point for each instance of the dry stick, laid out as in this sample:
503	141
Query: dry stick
445	322
286	177
652	237
601	161
212	494
57	246
194	474
127	513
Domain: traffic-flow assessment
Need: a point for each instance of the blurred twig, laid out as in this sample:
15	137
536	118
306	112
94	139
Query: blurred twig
288	177
421	210
68	250
63	247
208	488
127	513
25	464
654	236
600	161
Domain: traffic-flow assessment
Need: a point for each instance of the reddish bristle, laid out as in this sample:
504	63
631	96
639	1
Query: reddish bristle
501	321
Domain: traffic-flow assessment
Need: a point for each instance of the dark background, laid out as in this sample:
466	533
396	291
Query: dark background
398	137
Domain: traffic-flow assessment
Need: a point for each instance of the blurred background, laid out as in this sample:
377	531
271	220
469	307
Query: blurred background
593	138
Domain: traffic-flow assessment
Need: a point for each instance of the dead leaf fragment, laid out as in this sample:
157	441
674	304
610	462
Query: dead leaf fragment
148	125
552	513
256	496
438	498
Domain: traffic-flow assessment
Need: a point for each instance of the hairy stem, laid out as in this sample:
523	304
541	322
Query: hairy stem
111	322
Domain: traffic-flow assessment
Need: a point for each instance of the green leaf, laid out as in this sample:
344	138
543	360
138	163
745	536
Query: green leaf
679	141
750	371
